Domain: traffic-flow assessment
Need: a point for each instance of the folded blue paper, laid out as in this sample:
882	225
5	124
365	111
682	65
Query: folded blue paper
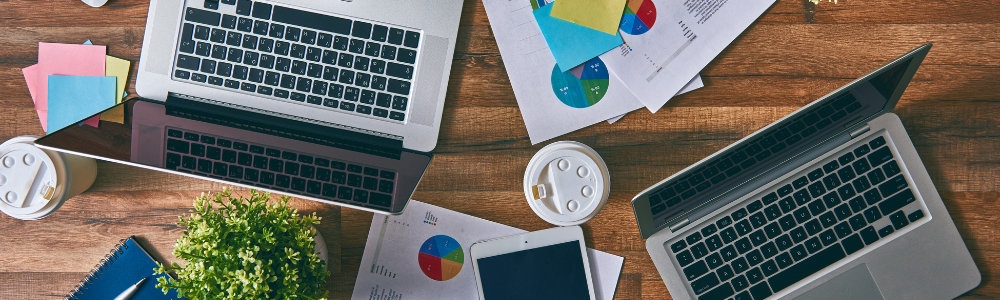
75	98
573	44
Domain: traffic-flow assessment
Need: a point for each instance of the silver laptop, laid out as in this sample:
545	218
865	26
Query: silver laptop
368	66
830	202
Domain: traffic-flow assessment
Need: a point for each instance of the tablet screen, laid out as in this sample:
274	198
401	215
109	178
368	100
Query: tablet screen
550	272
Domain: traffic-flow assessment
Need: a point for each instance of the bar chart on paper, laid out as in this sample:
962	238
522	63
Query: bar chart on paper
582	86
639	17
441	257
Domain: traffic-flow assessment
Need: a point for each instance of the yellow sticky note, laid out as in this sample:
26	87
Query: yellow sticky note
602	15
118	68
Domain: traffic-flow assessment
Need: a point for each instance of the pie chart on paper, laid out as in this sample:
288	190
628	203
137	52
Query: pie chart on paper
582	86
441	257
638	17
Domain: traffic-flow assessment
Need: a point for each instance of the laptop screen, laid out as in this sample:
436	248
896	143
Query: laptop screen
303	159
784	140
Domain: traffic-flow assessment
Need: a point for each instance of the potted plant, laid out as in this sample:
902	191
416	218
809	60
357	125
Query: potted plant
239	248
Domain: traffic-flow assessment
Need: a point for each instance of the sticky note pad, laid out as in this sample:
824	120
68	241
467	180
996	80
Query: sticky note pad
118	68
601	15
65	59
74	98
572	44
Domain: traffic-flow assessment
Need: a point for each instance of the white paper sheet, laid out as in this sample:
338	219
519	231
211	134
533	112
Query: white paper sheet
694	84
685	36
531	66
390	270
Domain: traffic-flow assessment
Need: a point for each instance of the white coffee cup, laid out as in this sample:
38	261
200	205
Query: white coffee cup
566	183
34	182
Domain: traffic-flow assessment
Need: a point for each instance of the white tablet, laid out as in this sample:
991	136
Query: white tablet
546	264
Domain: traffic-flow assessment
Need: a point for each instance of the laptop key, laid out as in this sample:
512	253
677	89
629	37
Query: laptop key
678	246
760	291
743	227
784	242
721	223
345	193
714	242
729	253
869	235
828	237
743	245
886	231
899	220
728	235
705	283
379	199
754	276
406	56
361	196
314	187
916	215
412	39
204	166
714	261
892	186
396	36
739	214
724	273
754	258
685	258
699	250
758	220
695	270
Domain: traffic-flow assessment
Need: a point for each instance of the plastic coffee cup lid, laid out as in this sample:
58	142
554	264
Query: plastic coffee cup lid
566	183
28	180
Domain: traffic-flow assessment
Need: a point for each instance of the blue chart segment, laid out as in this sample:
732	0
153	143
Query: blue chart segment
638	17
441	257
582	86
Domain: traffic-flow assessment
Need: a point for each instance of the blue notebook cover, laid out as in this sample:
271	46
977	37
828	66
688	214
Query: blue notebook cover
124	266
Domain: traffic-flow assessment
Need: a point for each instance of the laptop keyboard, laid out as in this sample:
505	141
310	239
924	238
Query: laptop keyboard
277	169
330	62
809	223
754	154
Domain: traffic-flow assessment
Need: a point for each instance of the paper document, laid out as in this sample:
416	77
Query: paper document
552	102
572	44
669	41
392	265
694	84
602	15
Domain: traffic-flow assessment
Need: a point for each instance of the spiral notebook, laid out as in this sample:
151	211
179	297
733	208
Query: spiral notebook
127	263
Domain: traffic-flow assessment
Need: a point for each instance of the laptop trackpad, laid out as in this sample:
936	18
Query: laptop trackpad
854	284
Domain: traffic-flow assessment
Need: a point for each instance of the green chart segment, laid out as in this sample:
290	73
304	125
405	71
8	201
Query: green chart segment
441	257
582	86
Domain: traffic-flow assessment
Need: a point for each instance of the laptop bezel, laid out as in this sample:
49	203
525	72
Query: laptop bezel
640	203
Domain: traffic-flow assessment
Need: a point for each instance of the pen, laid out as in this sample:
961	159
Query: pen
131	290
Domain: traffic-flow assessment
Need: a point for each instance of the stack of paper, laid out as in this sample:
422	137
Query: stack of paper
71	82
394	265
573	63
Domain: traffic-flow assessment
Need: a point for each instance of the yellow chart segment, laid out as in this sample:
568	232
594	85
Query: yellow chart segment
449	269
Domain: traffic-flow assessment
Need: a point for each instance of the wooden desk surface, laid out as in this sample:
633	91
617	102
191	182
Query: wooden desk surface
795	53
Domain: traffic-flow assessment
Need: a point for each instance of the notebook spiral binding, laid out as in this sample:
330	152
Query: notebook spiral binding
98	269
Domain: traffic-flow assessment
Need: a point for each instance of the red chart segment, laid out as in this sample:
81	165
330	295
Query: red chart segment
441	257
639	17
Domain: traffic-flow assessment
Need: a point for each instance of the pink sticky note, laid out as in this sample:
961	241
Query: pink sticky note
94	121
65	59
31	78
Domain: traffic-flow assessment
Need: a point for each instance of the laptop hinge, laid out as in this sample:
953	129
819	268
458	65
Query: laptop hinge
861	131
681	224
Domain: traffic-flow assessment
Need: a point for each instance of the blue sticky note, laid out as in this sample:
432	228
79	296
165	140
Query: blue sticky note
75	98
573	44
